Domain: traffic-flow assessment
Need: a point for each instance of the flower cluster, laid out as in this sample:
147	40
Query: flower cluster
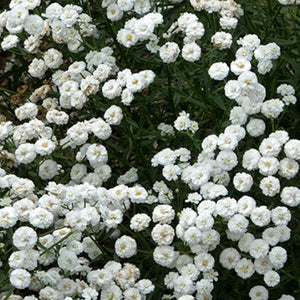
146	151
209	178
66	24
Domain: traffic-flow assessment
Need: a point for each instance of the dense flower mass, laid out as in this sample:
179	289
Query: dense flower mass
149	150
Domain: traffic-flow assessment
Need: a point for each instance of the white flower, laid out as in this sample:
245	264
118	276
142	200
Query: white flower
281	215
243	52
143	28
272	108
164	255
163	234
286	297
102	72
238	224
204	262
285	233
251	106
249	41
69	16
256	127
57	117
100	278
78	171
20	279
23	208
169	52
227	160
37	68
111	89
24	238
292	149
164	214
125	5
125	247
227	141
170	278
199	175
270	147
290	99
262	265
194	30
245	205
189	270
6	129
259	248
238	116
8	217
25	153
135	83
271	236
243	182
268	165
127	97
280	135
185	19
40	218
182	122
142	6
271	278
112	218
77	67
228	23
184	285
250	159
222	40
111	291
209	143
137	194
290	196
44	146
285	90
226	207
48	169
270	186
113	115
89	293
204	286
204	221
232	89
26	111
192	235
240	65
187	217
244	268
261	216
139	222
191	52
67	260
229	258
9	42
278	257
259	292
245	242
97	155
248	81
34	24
218	71
264	66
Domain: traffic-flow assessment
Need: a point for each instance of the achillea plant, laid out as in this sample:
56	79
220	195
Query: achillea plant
149	150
